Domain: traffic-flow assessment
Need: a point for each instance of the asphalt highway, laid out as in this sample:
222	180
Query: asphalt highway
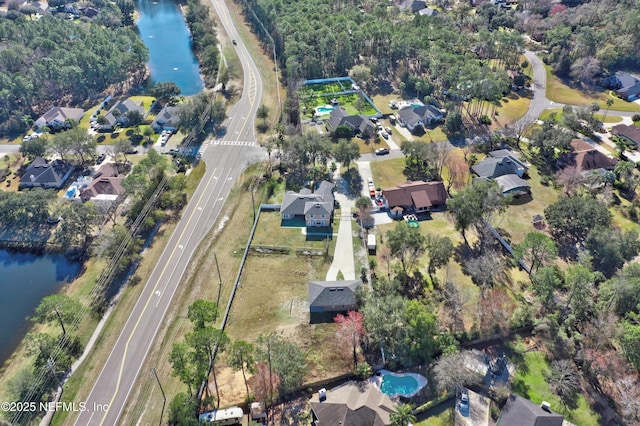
226	156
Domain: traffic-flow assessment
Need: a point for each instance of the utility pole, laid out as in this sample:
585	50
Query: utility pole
64	332
215	316
253	203
164	397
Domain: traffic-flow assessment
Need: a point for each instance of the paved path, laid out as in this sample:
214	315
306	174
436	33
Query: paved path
343	254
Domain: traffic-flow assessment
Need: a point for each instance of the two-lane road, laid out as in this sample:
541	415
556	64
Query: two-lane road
226	157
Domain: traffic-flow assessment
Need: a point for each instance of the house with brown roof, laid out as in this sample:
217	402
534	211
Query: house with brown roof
415	197
106	185
352	404
585	157
627	132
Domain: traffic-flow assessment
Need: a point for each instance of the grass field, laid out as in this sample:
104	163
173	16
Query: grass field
517	219
270	233
445	418
531	383
559	113
369	147
558	91
387	173
512	107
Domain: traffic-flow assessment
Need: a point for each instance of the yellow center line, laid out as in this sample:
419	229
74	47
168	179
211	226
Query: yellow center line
135	327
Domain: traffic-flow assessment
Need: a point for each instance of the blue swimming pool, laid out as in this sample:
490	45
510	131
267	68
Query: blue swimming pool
325	109
403	384
398	385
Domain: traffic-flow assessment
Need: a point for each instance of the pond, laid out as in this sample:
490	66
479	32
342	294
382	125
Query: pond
26	279
163	30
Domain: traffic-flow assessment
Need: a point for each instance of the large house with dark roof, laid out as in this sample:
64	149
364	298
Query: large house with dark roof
57	116
316	208
113	118
585	158
499	163
332	296
506	169
415	197
359	124
416	118
352	404
167	119
43	174
626	85
628	132
519	411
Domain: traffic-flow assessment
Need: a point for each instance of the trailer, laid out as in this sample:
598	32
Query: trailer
371	243
226	416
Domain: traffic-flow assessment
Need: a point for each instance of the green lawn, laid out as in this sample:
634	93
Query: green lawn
445	418
517	219
547	113
558	91
608	118
370	146
528	70
387	173
270	233
512	107
600	117
531	384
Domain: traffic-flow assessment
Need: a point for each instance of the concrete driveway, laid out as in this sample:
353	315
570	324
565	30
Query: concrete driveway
343	255
478	413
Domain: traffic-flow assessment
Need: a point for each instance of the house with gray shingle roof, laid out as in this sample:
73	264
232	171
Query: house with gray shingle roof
332	296
359	124
492	167
316	208
43	174
519	411
118	115
353	404
167	119
626	85
59	115
416	118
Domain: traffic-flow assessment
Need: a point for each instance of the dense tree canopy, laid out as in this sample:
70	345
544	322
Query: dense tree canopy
573	217
46	60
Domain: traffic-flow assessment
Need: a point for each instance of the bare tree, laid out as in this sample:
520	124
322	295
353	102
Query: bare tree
456	298
564	380
628	398
450	372
438	152
571	179
485	269
520	128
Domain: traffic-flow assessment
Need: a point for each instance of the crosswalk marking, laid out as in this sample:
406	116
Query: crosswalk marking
239	143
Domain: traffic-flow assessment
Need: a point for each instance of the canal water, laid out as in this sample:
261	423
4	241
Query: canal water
164	31
24	280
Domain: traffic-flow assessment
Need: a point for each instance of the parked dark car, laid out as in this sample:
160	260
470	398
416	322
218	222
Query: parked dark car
382	151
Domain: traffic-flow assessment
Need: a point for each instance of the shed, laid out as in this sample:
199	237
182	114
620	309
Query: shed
371	243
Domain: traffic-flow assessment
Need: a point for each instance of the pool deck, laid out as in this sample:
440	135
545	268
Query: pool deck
377	381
